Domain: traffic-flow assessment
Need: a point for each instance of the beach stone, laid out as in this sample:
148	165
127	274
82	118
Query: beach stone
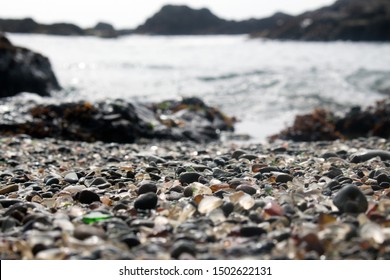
146	201
83	232
383	178
237	153
189	177
8	223
221	174
71	178
283	178
52	181
350	199
249	231
156	159
183	247
87	197
130	240
268	169
227	208
9	202
362	157
147	187
9	189
246	189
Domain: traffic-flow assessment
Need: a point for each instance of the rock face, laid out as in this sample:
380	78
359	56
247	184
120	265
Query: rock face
22	70
355	20
116	121
182	20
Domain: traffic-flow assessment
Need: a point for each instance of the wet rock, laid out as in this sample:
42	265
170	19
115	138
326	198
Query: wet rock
146	201
383	178
87	197
133	121
350	200
23	70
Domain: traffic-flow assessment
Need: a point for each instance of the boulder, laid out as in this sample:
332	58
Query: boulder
22	70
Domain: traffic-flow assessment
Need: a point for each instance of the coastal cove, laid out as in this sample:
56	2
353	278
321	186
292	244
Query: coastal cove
263	83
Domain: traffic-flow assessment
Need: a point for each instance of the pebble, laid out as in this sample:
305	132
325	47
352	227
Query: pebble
350	200
227	208
189	177
362	157
71	178
147	187
83	232
9	189
246	189
283	178
183	247
249	231
87	197
146	201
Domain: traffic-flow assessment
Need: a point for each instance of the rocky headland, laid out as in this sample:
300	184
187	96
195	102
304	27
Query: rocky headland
354	20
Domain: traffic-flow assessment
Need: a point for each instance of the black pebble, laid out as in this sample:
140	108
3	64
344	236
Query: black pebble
350	200
189	177
146	201
87	197
246	189
283	178
183	247
147	187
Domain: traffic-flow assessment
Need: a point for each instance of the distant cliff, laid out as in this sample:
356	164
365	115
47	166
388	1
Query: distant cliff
182	20
355	20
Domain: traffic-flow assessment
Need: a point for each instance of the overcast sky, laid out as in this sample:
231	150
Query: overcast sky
131	13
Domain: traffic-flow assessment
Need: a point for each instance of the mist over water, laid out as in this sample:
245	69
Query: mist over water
263	83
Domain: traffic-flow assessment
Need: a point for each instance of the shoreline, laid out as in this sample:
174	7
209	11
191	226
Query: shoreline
181	200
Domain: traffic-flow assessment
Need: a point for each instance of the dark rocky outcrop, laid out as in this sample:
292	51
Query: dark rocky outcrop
103	30
322	124
116	120
22	70
28	25
183	20
355	20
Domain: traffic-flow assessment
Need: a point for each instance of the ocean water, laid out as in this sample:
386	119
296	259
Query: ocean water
263	83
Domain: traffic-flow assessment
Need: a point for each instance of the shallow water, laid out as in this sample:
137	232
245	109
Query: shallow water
263	83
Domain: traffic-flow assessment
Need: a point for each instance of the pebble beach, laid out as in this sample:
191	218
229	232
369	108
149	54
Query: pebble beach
183	200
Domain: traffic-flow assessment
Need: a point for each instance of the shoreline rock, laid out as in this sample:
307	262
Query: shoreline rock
325	125
189	119
22	70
